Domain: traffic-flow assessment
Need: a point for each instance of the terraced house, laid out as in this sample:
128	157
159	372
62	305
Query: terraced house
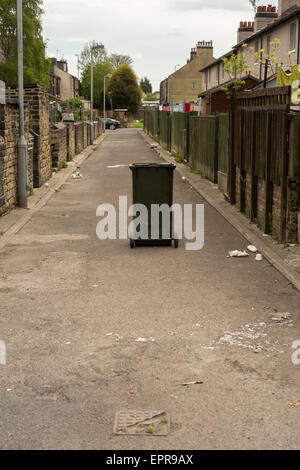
185	84
269	24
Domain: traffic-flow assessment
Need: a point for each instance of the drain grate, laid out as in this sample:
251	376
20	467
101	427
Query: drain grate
141	423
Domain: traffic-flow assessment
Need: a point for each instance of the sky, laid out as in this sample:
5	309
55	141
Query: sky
157	34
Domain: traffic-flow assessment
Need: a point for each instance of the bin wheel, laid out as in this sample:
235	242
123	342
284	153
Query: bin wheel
132	243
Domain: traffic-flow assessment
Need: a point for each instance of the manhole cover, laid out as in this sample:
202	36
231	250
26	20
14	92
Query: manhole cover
149	423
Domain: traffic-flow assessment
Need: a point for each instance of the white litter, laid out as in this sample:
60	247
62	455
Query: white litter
183	178
144	340
252	248
77	175
281	317
238	254
258	257
117	166
47	185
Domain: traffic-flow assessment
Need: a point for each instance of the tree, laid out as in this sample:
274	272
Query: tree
99	54
146	85
254	4
118	59
36	66
126	93
100	70
150	97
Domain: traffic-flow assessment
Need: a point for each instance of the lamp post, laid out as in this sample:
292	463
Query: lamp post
93	48
77	55
22	144
105	77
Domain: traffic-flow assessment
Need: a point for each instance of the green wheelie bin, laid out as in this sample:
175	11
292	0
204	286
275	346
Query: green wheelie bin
153	185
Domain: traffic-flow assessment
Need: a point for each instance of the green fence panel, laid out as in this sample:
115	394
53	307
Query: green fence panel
165	129
203	146
179	134
223	142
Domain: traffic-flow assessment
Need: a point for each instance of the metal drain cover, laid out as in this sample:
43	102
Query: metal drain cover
141	423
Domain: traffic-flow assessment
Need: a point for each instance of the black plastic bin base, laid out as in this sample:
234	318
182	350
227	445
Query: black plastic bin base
136	243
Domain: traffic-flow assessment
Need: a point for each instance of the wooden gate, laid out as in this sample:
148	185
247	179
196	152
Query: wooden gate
258	150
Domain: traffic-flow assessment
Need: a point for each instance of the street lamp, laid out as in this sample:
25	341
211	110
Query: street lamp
77	55
22	144
93	48
105	77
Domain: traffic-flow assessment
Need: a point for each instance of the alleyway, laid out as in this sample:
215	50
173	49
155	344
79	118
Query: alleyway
63	292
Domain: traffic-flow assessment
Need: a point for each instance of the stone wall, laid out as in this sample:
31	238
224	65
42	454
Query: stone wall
47	147
78	137
59	145
9	136
71	151
38	102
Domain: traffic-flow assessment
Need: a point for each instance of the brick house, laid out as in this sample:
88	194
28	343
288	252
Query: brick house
186	83
63	85
269	23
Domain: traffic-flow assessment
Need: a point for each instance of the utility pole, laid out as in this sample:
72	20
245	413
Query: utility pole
93	48
266	73
22	144
78	74
104	99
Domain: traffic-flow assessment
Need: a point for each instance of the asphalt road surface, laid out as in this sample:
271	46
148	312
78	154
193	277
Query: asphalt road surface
72	308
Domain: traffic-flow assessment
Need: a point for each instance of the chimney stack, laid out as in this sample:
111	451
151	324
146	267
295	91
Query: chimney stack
204	45
193	53
264	16
284	5
245	30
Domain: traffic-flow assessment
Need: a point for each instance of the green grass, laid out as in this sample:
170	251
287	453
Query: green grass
136	125
95	148
179	158
65	165
150	430
31	192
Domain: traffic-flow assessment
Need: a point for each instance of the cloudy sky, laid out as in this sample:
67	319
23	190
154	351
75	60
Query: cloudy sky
157	34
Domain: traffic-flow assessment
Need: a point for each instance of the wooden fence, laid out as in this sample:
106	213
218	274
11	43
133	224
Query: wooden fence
253	154
258	163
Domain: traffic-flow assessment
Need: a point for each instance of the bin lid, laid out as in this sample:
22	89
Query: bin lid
134	166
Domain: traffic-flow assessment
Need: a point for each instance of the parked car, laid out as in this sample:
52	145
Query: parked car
111	124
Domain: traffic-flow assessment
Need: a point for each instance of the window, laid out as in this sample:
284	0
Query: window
218	74
194	85
223	71
268	48
292	36
206	79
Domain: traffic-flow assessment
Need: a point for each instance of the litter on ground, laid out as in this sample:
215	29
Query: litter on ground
196	382
144	340
252	248
77	175
238	254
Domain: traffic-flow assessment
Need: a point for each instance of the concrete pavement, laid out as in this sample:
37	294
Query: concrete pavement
72	308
